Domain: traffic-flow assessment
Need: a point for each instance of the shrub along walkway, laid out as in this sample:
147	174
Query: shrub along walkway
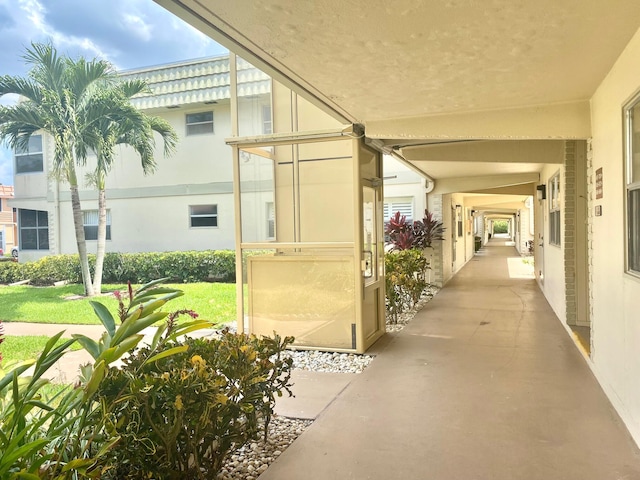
483	384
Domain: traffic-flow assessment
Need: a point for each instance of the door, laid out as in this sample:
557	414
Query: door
373	307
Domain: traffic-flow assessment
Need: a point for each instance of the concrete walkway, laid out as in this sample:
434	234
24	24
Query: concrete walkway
484	384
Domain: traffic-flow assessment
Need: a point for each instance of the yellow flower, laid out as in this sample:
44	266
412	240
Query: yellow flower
198	361
179	403
222	398
165	376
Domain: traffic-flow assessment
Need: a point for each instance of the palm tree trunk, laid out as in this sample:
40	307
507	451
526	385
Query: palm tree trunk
102	237
78	223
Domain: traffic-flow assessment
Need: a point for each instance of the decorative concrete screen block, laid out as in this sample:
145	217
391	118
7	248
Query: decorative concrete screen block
310	297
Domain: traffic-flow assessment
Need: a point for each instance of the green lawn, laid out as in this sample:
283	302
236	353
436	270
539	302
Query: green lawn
25	347
212	301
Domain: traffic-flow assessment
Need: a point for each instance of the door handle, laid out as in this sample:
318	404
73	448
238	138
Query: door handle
367	264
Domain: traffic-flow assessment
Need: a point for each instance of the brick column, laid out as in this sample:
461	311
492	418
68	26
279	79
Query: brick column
437	274
569	238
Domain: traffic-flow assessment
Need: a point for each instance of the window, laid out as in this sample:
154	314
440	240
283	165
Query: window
271	221
203	215
554	210
199	123
267	125
402	205
632	154
30	159
33	227
91	224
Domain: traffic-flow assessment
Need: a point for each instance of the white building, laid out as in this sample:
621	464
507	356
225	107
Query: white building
187	204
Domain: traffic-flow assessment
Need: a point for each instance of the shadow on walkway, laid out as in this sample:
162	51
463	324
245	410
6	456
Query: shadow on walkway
484	384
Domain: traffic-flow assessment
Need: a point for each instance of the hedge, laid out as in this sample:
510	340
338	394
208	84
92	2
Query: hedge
179	267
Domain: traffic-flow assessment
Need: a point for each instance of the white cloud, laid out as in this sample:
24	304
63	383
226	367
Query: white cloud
138	26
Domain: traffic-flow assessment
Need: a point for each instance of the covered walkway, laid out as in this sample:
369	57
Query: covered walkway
484	384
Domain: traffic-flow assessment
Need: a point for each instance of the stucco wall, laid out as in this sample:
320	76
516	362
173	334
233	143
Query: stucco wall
615	320
551	257
156	224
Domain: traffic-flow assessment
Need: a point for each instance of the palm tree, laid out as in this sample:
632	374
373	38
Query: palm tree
125	125
76	102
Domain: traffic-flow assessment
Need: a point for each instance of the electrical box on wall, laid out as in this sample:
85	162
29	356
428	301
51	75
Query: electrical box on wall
598	211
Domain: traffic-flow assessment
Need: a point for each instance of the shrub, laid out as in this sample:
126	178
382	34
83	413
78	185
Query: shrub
500	226
179	417
10	272
404	235
405	280
181	267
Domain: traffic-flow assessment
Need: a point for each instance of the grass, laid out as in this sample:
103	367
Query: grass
212	301
20	348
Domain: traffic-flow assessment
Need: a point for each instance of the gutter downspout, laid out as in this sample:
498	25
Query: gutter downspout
429	182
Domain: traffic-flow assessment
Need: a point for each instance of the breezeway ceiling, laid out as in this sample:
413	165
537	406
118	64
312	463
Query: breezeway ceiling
378	60
436	70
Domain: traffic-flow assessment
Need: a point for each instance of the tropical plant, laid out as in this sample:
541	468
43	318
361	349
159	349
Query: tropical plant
64	437
123	125
427	230
180	416
77	103
405	280
421	234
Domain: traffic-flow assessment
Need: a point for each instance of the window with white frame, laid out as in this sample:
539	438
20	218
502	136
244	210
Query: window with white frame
554	210
33	227
203	216
267	124
403	205
632	181
271	221
30	159
199	123
90	221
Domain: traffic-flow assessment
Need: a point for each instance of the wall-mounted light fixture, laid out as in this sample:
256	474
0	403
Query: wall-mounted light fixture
541	192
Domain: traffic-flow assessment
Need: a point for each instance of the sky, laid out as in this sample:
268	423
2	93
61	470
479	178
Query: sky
127	33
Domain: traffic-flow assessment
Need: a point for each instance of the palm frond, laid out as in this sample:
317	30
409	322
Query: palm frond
47	67
166	131
20	86
131	88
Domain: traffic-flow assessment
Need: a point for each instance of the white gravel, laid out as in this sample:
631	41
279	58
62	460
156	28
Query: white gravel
315	361
248	462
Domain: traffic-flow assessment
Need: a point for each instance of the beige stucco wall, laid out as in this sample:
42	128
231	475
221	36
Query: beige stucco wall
615	319
156	224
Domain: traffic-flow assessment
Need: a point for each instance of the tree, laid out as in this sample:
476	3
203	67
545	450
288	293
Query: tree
125	125
76	102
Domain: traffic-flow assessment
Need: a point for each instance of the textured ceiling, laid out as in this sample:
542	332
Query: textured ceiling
379	60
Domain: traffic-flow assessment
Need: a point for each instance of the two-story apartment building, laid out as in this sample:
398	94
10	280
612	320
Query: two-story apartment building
187	204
